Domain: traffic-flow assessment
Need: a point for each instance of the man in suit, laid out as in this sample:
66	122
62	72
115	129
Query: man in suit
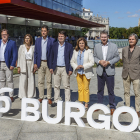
131	71
43	46
8	58
60	65
106	55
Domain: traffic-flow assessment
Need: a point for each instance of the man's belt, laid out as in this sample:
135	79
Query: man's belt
44	60
60	66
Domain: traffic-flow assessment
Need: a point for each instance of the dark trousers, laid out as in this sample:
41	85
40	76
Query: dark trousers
110	86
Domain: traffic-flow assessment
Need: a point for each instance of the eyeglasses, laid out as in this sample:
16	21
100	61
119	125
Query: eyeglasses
4	34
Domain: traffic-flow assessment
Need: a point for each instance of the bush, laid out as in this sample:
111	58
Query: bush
15	71
119	63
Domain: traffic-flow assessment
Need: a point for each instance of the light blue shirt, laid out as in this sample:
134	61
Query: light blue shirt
60	56
44	48
80	61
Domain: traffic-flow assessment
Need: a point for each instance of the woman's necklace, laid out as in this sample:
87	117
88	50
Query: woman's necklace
27	47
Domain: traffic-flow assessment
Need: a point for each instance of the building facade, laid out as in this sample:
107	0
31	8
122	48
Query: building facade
71	7
87	14
139	22
18	26
27	16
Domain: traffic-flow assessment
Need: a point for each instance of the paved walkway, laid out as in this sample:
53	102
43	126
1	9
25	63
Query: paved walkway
12	128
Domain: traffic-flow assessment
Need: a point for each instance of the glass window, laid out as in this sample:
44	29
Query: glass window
31	1
80	14
67	2
38	2
60	1
16	30
10	28
44	3
32	30
79	1
72	11
49	4
73	4
65	9
19	31
57	6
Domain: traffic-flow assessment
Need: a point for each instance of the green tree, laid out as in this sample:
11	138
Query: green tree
122	33
84	31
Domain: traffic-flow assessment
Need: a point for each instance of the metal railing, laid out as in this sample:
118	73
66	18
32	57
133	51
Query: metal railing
119	42
91	43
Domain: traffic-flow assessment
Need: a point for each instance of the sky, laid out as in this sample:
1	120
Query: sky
121	13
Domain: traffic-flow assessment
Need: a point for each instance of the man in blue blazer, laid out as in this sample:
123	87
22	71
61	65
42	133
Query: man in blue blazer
8	58
43	46
60	65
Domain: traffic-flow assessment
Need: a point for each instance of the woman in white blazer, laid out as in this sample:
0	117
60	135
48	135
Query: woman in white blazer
25	66
82	62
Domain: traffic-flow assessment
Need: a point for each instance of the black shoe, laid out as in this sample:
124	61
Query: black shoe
53	104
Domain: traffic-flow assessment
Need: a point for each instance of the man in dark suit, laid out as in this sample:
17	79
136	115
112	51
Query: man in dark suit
43	46
8	58
60	65
131	71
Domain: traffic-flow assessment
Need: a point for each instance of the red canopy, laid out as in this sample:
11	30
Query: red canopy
24	9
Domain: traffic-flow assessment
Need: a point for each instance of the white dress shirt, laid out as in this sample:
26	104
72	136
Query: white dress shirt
28	55
2	50
104	50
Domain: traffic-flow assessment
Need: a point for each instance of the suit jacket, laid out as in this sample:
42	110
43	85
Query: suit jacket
112	56
10	53
22	59
67	55
38	51
88	63
132	66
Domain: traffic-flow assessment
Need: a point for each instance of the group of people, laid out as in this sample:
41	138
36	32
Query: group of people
58	58
93	38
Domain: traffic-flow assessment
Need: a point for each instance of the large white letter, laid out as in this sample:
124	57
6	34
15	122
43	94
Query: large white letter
26	109
76	115
45	112
106	119
123	128
5	89
8	104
